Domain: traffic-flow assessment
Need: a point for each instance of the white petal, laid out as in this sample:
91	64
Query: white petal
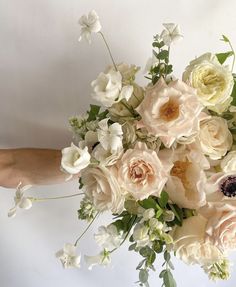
126	92
25	203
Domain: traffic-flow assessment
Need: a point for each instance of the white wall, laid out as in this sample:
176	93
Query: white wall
45	77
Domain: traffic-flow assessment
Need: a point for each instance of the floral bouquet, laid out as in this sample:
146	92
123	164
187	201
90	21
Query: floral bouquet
160	158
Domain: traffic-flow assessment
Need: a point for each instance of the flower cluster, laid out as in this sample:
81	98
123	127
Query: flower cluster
160	158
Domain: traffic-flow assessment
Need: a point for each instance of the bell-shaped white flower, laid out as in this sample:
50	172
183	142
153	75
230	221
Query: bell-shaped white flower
110	137
103	258
20	200
89	24
74	159
68	256
171	33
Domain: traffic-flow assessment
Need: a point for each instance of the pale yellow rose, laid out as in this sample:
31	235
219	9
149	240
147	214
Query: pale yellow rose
228	163
213	81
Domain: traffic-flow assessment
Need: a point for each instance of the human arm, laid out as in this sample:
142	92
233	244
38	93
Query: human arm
30	166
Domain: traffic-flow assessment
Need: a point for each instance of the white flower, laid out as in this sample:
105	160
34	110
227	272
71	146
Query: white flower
108	237
228	163
68	256
110	137
147	214
106	158
102	258
74	159
215	137
213	82
155	224
89	24
140	235
171	33
103	189
20	200
108	89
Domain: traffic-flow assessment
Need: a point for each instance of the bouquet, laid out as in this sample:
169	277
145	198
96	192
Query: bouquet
161	159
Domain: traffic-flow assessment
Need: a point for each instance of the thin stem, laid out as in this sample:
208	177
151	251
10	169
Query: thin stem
167	62
52	198
109	51
86	229
127	234
233	56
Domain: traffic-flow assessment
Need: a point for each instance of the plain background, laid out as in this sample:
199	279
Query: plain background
45	77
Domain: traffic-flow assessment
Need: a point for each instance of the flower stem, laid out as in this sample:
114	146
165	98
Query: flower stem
86	229
231	46
109	51
52	198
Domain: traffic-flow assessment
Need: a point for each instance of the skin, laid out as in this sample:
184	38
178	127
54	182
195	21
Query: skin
30	166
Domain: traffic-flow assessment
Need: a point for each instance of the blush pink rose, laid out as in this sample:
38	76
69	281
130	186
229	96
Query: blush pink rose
170	111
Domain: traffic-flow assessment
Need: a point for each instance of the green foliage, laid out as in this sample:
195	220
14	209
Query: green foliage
225	39
222	57
233	95
163	200
166	275
93	113
148	203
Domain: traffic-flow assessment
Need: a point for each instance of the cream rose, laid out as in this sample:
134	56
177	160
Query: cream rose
74	159
214	82
187	178
141	173
215	137
190	245
101	186
228	163
170	111
221	227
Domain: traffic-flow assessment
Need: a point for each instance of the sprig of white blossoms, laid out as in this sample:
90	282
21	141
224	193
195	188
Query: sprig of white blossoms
20	200
89	24
171	34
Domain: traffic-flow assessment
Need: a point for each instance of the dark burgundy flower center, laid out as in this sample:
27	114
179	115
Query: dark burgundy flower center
228	186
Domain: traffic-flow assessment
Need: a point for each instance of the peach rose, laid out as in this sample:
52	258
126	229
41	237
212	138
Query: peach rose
170	111
141	173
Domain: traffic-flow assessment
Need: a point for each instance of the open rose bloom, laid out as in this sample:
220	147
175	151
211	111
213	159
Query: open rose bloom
160	158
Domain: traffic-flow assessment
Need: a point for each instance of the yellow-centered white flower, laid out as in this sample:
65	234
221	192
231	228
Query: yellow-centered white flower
74	159
213	82
89	24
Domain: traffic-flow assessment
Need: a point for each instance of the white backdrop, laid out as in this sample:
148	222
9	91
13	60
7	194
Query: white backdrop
45	77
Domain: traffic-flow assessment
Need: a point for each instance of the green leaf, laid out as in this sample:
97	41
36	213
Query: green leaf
167	256
177	211
132	246
140	264
233	95
163	200
171	265
92	114
164	54
157	246
159	213
225	39
119	225
103	115
168	279
145	251
80	183
161	275
143	275
158	44
148	203
151	259
222	57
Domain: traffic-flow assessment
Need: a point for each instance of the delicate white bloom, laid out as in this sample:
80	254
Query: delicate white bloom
20	200
228	163
147	214
102	258
89	24
171	33
170	111
103	189
169	215
190	244
108	89
108	237
110	137
106	157
155	224
215	137
213	82
68	256
140	235
127	71
74	159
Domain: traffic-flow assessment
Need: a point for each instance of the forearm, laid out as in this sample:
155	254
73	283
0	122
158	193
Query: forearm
30	166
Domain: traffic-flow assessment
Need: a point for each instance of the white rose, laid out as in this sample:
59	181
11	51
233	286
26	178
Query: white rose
215	137
74	159
228	163
107	88
101	186
141	173
214	82
190	245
